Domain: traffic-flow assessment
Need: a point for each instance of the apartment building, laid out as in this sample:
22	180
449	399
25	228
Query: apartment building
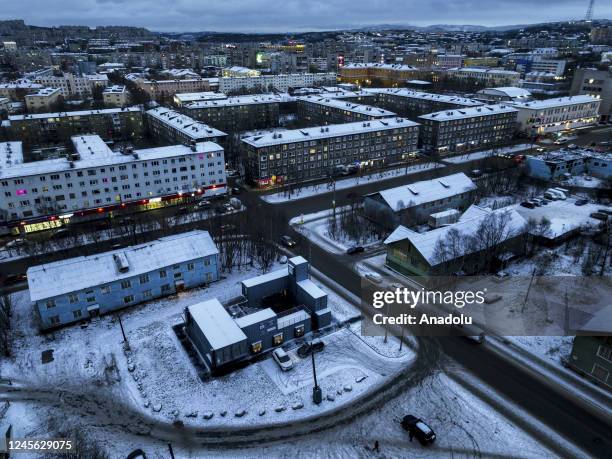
388	75
317	110
239	113
168	88
312	153
43	100
82	288
238	71
466	129
186	98
42	129
595	83
485	76
17	90
409	103
72	85
116	96
96	181
174	127
559	114
280	82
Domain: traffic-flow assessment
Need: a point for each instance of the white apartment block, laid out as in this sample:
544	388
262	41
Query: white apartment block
281	82
559	114
488	76
42	100
15	90
115	96
96	181
69	84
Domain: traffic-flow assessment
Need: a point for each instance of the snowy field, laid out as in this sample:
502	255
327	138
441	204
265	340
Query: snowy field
584	181
341	184
467	157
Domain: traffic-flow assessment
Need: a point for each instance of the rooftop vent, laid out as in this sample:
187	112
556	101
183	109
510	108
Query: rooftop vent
121	261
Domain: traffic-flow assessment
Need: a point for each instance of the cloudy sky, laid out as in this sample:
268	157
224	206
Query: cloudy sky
292	15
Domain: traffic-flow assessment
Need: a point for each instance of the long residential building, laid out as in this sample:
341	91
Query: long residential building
467	129
85	287
280	82
42	100
409	103
239	113
367	74
174	127
559	114
317	110
485	76
157	89
96	181
186	98
312	153
17	90
43	129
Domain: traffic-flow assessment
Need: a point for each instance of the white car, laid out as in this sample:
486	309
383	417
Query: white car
282	358
374	277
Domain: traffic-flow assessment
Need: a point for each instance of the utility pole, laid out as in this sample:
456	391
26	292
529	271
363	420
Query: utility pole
317	394
334	198
171	451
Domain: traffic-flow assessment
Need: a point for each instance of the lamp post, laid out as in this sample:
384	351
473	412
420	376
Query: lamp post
317	394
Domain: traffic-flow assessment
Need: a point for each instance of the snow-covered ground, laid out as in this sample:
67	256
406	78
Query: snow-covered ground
583	181
486	153
341	184
315	227
552	348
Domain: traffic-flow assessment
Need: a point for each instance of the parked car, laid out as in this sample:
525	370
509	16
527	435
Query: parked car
418	429
60	234
355	249
236	190
528	204
581	202
551	196
374	277
282	359
287	241
605	211
204	204
305	349
19	242
600	216
572	146
235	203
283	260
537	202
13	279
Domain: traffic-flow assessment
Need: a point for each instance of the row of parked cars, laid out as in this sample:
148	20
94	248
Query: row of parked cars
552	194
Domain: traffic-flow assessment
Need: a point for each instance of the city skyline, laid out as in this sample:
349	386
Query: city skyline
293	15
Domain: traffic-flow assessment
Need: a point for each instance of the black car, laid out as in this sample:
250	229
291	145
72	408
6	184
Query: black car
418	429
355	249
287	241
13	279
581	202
306	349
528	204
236	190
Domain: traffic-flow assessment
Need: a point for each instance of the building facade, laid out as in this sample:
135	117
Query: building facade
281	82
317	110
42	100
174	127
116	96
76	289
457	130
96	181
597	84
549	116
485	76
313	153
42	129
387	75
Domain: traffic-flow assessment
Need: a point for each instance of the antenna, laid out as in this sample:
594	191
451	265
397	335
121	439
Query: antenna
589	13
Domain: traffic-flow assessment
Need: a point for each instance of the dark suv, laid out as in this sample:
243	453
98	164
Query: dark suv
418	429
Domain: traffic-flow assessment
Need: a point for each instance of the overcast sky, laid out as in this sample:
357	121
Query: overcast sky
292	15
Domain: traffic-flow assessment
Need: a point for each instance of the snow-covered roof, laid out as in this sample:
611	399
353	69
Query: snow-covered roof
417	193
272	275
556	102
347	106
114	89
237	100
311	288
103	111
216	324
187	97
44	92
402	92
323	132
426	242
509	91
372	65
11	153
485	70
183	123
255	317
76	274
469	112
104	158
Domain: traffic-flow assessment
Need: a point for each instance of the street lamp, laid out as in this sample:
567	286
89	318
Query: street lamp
317	393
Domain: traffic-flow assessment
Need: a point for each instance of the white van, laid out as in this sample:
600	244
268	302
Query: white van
561	192
557	193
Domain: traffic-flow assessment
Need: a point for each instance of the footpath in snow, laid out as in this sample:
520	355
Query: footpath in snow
313	190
